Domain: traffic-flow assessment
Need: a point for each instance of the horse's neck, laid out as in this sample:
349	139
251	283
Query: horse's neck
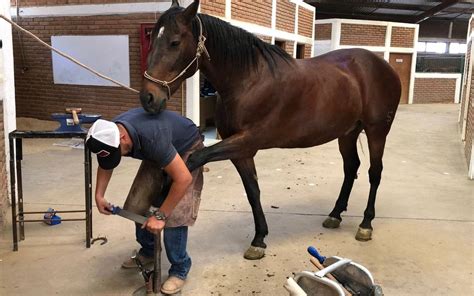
226	78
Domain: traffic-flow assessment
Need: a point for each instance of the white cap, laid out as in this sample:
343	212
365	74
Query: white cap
106	132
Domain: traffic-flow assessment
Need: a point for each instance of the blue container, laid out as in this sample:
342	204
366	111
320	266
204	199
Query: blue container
51	218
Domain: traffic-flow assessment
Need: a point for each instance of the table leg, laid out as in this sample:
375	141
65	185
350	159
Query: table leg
88	194
13	194
19	158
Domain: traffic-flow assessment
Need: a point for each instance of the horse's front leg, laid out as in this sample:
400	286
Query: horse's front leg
246	169
238	146
241	149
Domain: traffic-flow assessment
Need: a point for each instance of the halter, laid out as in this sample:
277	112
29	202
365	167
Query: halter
201	48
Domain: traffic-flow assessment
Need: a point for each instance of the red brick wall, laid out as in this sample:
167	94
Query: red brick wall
470	126
322	31
365	35
267	39
470	122
465	91
289	47
402	37
380	54
285	16
213	7
305	22
24	3
257	12
3	172
307	51
434	90
36	94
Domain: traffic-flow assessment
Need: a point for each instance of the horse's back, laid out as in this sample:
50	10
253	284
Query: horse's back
378	83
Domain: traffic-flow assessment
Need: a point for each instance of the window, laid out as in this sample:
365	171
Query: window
436	47
421	46
457	48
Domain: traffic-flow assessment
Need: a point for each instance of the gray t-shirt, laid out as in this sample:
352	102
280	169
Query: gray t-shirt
158	137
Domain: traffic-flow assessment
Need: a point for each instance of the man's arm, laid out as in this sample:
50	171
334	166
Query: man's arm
182	178
103	178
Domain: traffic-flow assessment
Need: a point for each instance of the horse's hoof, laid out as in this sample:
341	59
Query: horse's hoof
254	253
364	234
331	222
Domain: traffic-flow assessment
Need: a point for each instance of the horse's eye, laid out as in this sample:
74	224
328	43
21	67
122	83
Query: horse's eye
175	43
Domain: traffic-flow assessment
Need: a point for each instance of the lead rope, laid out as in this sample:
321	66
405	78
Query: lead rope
201	48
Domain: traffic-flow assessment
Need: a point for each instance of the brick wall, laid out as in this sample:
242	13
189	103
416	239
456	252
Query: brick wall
36	94
257	12
322	31
464	89
402	37
378	53
289	47
434	90
213	7
470	121
305	22
24	3
285	16
267	39
3	172
365	35
307	51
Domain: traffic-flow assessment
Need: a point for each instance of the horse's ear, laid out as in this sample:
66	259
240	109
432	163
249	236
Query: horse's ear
175	3
190	12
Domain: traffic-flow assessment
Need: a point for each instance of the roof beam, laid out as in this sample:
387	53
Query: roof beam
321	4
427	14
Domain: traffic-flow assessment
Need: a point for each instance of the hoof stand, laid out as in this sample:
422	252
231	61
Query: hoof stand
364	234
254	253
331	222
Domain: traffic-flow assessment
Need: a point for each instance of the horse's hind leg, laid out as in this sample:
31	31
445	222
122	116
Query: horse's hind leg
348	149
246	169
376	136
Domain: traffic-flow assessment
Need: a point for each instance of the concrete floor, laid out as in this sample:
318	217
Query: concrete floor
422	243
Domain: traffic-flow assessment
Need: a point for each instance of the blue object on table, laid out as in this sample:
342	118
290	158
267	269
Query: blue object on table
67	122
313	252
51	218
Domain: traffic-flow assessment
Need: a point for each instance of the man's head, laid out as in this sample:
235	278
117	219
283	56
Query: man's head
104	140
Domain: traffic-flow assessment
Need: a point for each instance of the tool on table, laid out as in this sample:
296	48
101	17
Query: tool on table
74	112
152	277
71	120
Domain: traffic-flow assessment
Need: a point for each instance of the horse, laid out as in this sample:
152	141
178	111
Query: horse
267	100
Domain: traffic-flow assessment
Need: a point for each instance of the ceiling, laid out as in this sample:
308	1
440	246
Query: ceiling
409	11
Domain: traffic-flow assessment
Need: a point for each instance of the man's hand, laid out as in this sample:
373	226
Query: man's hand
103	206
154	225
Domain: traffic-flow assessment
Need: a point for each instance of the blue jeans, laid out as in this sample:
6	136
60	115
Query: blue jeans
175	240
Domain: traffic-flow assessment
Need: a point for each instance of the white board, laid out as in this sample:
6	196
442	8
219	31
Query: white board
107	54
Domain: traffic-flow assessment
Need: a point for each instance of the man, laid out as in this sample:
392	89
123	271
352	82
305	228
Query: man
163	142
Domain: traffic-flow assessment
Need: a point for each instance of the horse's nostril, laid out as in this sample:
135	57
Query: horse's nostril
149	99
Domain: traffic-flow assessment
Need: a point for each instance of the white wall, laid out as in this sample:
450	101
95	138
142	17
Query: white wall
7	79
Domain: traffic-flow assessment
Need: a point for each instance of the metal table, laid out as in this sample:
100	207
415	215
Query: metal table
16	156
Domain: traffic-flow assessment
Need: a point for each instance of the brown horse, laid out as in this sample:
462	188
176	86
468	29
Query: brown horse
269	100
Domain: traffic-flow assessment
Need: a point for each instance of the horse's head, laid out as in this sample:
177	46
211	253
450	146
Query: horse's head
173	56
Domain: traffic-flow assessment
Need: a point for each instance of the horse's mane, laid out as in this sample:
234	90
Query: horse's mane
238	45
235	44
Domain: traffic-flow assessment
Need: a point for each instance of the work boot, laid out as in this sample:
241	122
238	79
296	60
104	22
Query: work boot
130	262
172	285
